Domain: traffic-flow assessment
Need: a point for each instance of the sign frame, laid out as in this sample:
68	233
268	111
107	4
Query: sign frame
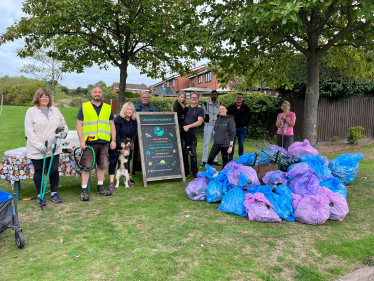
141	148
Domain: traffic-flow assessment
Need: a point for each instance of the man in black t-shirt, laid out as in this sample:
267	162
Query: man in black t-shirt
193	119
91	116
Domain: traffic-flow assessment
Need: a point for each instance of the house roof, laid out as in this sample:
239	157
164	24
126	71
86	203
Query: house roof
132	86
196	89
165	92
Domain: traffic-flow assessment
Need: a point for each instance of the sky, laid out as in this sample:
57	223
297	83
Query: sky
9	61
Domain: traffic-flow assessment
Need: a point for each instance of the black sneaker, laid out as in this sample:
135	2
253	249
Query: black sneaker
217	164
195	176
202	164
41	202
101	190
84	195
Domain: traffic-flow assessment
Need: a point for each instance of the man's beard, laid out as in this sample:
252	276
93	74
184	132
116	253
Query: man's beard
213	98
97	99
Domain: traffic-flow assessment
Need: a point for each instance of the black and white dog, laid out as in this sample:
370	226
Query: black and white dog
123	162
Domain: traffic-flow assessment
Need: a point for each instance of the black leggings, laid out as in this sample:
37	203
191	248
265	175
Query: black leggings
214	152
112	168
53	174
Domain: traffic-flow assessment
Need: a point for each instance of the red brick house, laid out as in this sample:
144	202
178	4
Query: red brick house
200	80
134	88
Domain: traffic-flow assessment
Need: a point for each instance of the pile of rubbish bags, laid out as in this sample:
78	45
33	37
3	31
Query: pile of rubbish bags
311	191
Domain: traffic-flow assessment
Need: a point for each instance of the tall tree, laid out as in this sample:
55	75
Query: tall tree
154	36
257	39
45	68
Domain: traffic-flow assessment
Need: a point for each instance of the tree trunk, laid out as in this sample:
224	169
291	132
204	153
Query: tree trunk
53	93
311	100
122	85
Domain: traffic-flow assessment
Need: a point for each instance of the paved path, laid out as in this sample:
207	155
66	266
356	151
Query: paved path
362	274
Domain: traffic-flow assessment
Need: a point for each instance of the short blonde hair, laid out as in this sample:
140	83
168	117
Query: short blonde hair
286	102
123	110
38	94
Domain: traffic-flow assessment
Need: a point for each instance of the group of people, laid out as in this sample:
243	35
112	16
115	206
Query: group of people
222	123
97	128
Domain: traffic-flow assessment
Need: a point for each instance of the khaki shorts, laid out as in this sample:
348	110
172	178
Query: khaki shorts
101	155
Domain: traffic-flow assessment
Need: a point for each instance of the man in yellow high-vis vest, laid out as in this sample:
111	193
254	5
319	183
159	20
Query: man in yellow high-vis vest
95	128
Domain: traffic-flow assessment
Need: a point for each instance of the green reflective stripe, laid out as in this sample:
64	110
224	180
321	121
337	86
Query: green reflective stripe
89	123
104	122
104	132
92	133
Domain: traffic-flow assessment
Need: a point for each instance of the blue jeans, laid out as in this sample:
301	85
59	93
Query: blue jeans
240	133
208	134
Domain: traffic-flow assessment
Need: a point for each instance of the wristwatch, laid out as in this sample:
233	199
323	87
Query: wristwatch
114	139
230	145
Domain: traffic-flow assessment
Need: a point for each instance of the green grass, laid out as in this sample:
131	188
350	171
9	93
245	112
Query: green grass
157	233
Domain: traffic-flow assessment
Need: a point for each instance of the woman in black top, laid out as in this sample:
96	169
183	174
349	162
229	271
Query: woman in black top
180	106
126	127
224	133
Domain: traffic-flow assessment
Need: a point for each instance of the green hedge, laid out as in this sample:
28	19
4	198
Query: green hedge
261	105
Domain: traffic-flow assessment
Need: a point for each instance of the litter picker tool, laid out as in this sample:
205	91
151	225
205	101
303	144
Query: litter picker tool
42	191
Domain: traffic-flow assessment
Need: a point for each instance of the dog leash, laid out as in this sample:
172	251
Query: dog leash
77	162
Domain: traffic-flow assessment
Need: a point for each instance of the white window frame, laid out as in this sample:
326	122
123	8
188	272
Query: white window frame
208	76
167	84
200	79
173	83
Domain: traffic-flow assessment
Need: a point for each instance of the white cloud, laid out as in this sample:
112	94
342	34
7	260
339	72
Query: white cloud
9	61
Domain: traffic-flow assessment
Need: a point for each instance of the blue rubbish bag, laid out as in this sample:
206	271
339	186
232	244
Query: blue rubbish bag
281	199
233	201
218	187
316	164
247	159
335	186
345	167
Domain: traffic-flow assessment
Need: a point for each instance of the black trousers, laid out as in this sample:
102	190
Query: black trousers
194	168
112	167
287	141
53	174
214	152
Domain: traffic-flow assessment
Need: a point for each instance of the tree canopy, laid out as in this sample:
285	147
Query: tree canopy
154	36
257	40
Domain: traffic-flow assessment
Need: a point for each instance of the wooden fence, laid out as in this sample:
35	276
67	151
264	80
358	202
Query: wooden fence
114	104
334	117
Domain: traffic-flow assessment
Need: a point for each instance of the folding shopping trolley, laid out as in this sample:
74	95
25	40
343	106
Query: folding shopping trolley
9	216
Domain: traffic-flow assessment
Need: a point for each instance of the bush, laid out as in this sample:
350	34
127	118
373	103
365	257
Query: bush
261	105
335	138
355	134
77	101
22	94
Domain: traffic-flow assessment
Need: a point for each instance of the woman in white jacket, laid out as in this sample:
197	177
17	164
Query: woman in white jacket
41	122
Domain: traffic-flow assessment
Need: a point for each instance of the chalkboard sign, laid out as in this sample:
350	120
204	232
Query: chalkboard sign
159	144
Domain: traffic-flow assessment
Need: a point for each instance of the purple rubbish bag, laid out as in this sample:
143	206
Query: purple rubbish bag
298	149
295	200
313	209
196	189
306	183
275	177
237	169
260	209
338	204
